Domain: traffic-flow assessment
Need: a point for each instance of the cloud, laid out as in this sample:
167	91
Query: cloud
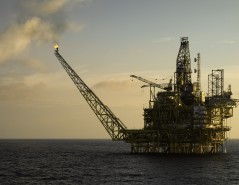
14	80
36	21
35	86
39	21
113	84
35	64
18	37
19	90
47	7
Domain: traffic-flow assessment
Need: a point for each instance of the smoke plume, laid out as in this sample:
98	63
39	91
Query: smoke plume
19	36
40	21
35	21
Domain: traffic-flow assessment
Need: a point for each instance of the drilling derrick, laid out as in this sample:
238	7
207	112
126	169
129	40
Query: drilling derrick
180	118
183	84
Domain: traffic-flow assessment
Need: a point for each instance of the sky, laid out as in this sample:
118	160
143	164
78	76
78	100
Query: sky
104	41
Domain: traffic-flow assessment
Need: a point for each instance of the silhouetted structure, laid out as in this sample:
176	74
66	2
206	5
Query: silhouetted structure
180	117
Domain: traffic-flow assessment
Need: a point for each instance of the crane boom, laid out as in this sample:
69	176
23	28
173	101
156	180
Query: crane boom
165	86
115	128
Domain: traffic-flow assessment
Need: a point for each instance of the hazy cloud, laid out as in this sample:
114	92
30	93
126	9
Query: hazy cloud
48	7
40	21
113	84
45	7
18	37
35	64
36	21
19	91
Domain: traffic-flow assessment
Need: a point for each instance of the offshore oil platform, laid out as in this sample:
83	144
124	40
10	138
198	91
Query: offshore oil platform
180	119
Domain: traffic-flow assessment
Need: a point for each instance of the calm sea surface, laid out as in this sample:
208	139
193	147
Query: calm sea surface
108	162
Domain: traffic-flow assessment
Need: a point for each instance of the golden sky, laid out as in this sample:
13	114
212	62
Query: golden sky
105	42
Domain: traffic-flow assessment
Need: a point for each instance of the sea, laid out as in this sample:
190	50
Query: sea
109	162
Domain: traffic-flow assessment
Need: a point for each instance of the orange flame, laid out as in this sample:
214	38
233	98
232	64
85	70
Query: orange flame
56	46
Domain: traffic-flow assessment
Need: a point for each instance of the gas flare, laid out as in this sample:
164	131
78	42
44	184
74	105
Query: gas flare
56	46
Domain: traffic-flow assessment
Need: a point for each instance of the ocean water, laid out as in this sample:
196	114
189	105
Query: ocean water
108	162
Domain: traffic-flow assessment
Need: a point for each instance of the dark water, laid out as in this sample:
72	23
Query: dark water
108	162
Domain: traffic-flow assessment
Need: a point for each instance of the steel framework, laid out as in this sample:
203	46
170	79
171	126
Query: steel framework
112	124
176	121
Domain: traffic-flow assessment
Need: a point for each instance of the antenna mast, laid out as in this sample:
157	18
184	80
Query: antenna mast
198	73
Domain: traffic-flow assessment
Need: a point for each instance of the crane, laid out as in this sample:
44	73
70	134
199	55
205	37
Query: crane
164	86
113	125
